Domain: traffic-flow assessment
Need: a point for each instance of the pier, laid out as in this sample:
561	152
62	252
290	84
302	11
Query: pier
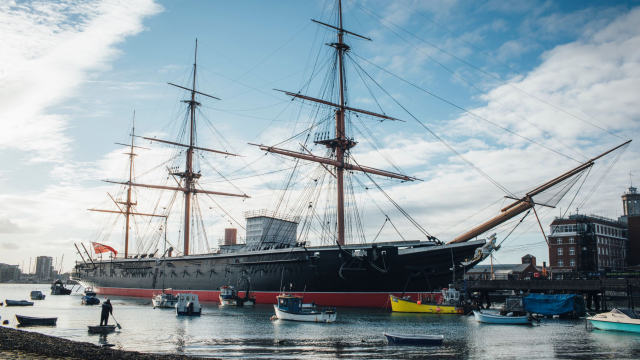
613	292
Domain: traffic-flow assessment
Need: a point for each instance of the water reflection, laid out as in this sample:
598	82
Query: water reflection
248	332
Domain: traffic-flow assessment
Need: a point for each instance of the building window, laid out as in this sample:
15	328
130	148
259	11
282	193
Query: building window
560	262
559	251
559	241
599	251
572	251
572	262
572	241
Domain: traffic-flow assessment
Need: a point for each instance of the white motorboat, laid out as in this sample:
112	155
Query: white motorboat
290	307
164	300
228	296
188	305
625	320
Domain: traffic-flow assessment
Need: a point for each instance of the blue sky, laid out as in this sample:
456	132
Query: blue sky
75	71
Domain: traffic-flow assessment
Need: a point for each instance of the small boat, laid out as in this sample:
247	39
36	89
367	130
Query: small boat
447	301
188	305
229	297
18	303
414	339
37	295
90	300
290	307
164	300
625	320
501	319
101	329
57	288
90	292
32	321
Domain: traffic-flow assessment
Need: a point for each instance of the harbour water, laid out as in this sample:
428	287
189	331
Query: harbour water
357	334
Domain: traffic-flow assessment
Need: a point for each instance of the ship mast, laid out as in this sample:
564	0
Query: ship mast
188	175
340	144
128	203
188	187
128	211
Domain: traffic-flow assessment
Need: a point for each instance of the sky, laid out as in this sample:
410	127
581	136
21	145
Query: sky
523	90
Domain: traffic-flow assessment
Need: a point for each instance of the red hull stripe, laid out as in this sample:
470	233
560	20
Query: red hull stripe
269	297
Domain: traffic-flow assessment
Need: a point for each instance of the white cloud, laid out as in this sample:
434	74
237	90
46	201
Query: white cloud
48	50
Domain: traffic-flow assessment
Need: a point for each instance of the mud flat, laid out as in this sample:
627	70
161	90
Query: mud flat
19	344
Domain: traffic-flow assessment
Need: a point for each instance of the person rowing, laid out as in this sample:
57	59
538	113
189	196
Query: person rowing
107	309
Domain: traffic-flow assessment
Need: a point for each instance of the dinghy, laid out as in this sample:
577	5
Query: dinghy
98	329
414	339
33	321
18	303
501	319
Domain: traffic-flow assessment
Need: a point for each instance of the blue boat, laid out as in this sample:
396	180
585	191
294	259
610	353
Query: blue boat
501	319
625	320
90	300
414	339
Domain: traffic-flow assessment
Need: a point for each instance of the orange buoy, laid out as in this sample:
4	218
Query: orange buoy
438	309
419	302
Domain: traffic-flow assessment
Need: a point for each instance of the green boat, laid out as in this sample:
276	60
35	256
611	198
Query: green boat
625	320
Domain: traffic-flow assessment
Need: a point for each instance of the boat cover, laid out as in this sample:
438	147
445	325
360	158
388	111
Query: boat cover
549	305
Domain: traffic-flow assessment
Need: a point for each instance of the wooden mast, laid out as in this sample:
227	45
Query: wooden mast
340	131
340	144
128	204
188	172
189	176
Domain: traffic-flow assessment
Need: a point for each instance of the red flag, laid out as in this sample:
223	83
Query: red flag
99	248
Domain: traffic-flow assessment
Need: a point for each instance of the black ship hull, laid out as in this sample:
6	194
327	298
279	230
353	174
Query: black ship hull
353	275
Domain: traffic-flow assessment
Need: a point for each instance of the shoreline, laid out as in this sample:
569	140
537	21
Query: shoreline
14	341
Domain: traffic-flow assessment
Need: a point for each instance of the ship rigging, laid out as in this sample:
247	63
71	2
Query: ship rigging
329	255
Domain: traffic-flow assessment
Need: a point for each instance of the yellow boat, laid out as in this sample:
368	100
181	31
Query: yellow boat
410	306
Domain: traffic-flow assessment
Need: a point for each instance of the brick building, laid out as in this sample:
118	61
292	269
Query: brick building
588	243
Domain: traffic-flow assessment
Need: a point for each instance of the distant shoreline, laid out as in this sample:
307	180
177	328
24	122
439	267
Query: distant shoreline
14	341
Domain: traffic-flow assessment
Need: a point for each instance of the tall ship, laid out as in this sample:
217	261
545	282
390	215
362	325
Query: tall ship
313	241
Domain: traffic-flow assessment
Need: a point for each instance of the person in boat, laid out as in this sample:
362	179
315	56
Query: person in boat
107	309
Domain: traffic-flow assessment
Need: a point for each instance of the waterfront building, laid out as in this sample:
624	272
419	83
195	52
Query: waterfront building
44	267
631	208
587	243
526	270
10	273
529	259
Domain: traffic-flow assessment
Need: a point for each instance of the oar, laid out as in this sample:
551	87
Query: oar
114	319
